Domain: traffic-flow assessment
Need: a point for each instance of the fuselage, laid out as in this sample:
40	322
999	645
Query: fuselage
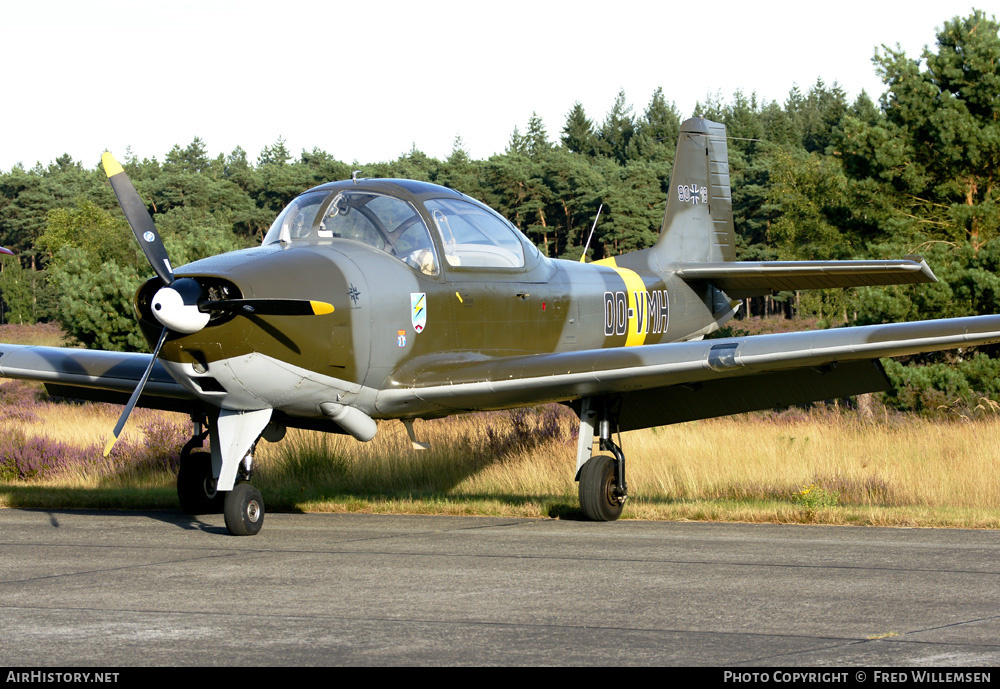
418	289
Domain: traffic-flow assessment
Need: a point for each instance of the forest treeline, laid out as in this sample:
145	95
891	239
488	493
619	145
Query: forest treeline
817	177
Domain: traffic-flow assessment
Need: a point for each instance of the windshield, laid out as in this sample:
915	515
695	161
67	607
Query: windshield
383	222
296	221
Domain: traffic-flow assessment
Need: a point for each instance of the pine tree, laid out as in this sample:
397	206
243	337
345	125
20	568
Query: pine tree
578	134
938	148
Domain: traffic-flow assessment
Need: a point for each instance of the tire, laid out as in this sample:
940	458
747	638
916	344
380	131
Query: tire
196	485
597	485
244	510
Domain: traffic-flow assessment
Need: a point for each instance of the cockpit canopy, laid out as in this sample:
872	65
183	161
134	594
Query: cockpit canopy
465	233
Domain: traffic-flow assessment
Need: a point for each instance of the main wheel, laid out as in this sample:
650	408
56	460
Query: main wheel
597	490
196	485
244	510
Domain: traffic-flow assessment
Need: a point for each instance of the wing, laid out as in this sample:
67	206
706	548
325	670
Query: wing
668	383
748	279
94	375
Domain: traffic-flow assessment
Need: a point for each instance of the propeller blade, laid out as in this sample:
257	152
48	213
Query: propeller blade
268	307
139	219
135	395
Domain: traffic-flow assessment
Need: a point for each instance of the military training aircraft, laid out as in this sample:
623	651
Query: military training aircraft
378	299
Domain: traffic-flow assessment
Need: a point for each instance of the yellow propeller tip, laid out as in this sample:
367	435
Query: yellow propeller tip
111	166
321	307
111	444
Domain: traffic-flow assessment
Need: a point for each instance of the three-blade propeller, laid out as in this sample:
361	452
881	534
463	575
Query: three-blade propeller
178	304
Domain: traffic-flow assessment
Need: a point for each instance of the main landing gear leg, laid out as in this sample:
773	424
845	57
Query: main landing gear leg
196	480
603	490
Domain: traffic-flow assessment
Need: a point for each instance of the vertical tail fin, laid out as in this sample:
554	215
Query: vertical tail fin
698	223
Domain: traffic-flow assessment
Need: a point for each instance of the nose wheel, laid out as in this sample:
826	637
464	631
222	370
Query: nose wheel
244	510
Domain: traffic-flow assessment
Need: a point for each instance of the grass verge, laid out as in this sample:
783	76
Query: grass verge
826	467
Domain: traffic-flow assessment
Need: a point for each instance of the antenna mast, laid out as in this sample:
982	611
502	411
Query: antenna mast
583	258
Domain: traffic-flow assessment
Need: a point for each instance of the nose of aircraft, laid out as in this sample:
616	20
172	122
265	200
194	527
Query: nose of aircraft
213	307
193	302
246	358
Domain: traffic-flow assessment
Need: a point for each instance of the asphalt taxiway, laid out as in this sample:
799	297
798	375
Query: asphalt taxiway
118	589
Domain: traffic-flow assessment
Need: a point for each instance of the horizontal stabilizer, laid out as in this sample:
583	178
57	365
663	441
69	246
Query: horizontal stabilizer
750	279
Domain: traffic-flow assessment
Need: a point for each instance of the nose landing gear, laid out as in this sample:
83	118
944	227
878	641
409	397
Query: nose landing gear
198	493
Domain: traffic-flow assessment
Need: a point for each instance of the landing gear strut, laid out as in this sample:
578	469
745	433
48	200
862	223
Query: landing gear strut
603	490
198	480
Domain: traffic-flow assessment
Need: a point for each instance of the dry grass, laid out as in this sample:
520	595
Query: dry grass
825	467
45	334
905	461
821	467
492	461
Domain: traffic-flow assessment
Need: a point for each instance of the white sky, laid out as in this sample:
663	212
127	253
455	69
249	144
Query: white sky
366	81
